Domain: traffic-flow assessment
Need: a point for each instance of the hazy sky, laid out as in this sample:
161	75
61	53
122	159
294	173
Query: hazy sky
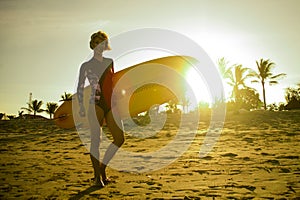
44	42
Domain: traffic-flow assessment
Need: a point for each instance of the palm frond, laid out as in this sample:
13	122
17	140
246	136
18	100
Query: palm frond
254	81
51	107
281	75
66	97
27	109
273	82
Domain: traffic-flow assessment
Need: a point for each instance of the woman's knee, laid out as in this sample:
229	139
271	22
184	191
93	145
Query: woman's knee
119	141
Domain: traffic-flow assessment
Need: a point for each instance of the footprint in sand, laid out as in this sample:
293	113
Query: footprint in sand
231	155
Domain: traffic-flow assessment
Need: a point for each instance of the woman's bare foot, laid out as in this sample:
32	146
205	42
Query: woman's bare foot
102	171
105	179
98	182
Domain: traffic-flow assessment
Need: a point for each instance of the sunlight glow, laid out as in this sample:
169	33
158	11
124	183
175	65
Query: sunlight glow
198	86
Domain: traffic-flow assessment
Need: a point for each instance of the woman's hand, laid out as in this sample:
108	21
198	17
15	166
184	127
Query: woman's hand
82	111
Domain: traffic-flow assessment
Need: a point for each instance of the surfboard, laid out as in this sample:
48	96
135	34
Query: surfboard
135	89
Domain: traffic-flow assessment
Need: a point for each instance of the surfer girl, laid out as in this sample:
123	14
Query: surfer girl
99	70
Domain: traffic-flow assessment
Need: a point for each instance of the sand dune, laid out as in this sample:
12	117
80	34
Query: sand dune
256	157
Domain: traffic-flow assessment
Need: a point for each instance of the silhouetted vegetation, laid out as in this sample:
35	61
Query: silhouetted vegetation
243	97
35	107
248	99
171	107
237	77
66	97
20	114
51	108
10	117
223	68
292	97
185	102
264	74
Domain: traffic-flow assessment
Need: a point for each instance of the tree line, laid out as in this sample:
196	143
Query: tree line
35	107
243	96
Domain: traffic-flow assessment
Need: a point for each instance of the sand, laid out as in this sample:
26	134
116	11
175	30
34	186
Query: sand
257	156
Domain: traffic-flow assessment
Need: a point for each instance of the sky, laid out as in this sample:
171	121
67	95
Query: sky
43	43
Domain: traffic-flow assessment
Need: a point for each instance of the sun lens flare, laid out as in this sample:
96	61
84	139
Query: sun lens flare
198	86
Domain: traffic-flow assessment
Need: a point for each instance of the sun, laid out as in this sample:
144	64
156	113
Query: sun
198	87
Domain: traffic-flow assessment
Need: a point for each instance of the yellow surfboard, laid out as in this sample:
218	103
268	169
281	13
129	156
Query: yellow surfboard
136	89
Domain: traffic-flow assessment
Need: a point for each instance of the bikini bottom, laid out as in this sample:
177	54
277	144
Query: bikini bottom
103	105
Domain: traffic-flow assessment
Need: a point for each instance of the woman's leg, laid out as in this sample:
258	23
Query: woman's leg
95	116
118	140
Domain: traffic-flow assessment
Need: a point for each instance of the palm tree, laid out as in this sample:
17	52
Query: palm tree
237	79
20	113
265	74
225	71
223	68
185	102
51	107
35	107
66	97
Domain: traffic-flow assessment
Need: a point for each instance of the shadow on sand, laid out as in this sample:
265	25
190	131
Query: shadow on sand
85	192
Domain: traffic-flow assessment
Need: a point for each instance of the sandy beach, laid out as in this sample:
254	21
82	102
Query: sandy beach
257	156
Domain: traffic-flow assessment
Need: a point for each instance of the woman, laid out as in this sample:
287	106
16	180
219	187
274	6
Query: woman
99	71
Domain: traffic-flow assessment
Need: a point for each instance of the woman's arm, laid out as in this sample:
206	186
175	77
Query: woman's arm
80	88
